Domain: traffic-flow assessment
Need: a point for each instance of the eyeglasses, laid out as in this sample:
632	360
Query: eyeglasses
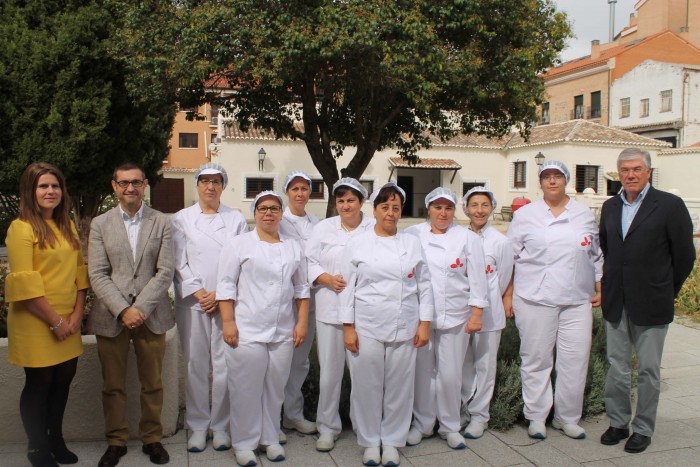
556	177
214	183
125	183
635	170
264	209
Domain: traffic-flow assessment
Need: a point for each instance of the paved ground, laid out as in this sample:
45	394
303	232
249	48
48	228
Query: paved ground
676	442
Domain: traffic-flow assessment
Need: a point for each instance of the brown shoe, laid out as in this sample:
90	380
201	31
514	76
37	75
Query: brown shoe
111	456
157	453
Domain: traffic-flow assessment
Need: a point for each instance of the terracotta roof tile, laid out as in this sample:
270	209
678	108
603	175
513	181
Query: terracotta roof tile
426	163
232	130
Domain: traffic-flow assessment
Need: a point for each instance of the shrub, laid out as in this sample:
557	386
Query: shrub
688	300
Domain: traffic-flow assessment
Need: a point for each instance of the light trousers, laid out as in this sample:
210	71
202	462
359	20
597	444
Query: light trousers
649	344
257	373
479	374
331	361
203	349
382	376
544	329
293	398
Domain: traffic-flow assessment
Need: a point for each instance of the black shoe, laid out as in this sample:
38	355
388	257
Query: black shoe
157	453
41	458
637	443
111	456
61	453
613	436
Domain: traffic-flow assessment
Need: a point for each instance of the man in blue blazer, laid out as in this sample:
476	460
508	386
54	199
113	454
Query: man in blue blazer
647	238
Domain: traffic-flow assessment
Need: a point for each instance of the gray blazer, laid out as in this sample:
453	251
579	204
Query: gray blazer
115	276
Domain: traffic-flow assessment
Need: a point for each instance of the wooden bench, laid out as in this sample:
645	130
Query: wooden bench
506	213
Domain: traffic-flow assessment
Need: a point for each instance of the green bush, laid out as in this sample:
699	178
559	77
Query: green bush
688	300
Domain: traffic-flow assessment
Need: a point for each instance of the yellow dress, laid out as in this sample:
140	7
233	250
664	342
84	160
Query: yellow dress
55	273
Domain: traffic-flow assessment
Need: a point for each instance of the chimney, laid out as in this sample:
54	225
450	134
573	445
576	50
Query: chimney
612	19
595	48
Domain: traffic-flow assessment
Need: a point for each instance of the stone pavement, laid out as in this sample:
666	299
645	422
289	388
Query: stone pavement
675	443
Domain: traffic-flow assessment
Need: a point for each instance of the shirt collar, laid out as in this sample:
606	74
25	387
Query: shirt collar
639	199
127	217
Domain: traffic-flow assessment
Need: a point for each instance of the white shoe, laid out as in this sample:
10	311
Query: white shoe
283	437
197	441
475	430
390	456
571	430
221	441
537	430
371	456
464	415
302	426
454	440
275	452
326	442
245	458
414	436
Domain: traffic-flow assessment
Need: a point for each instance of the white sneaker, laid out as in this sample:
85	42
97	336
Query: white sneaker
371	456
283	437
221	441
326	442
571	430
245	458
537	430
197	441
390	456
464	415
275	452
302	426
475	430
414	436
454	440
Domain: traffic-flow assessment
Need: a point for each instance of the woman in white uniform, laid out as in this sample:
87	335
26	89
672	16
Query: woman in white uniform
479	371
297	223
456	262
262	274
558	266
386	310
323	251
199	235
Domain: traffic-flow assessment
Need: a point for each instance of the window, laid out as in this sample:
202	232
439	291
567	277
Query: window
188	140
369	186
595	104
214	120
578	106
586	177
666	100
625	107
644	108
253	186
519	174
317	189
545	113
466	186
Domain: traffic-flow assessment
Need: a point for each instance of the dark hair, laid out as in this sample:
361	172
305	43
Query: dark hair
343	190
387	193
128	166
30	212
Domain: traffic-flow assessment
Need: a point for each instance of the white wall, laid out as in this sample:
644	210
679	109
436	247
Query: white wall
691	131
679	171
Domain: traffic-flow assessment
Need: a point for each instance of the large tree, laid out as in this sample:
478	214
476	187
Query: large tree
370	74
70	96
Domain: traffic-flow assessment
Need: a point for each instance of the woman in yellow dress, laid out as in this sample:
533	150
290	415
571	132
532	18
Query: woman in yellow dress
46	290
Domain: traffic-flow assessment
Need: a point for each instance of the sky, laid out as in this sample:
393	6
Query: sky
590	20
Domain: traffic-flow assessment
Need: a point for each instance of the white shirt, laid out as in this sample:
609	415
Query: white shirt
456	263
498	254
263	279
133	227
557	260
297	227
198	240
388	289
323	252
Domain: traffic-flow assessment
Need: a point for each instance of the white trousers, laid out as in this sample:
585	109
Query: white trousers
438	381
257	372
331	360
544	329
479	374
382	376
293	398
203	349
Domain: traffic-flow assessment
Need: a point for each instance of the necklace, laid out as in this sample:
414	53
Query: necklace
348	230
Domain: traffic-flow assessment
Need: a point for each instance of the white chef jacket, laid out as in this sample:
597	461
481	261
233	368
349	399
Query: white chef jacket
297	227
263	279
388	289
323	252
498	254
456	262
197	245
557	260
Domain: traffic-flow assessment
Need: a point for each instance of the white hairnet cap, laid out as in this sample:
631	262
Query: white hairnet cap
555	165
211	168
387	185
478	190
292	175
351	183
261	195
440	192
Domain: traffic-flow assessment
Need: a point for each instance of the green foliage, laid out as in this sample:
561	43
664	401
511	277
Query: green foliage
688	300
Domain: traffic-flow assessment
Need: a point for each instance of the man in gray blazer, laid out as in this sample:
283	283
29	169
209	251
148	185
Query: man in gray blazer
131	268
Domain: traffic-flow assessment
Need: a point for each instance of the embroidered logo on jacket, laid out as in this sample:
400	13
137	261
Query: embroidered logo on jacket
457	264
